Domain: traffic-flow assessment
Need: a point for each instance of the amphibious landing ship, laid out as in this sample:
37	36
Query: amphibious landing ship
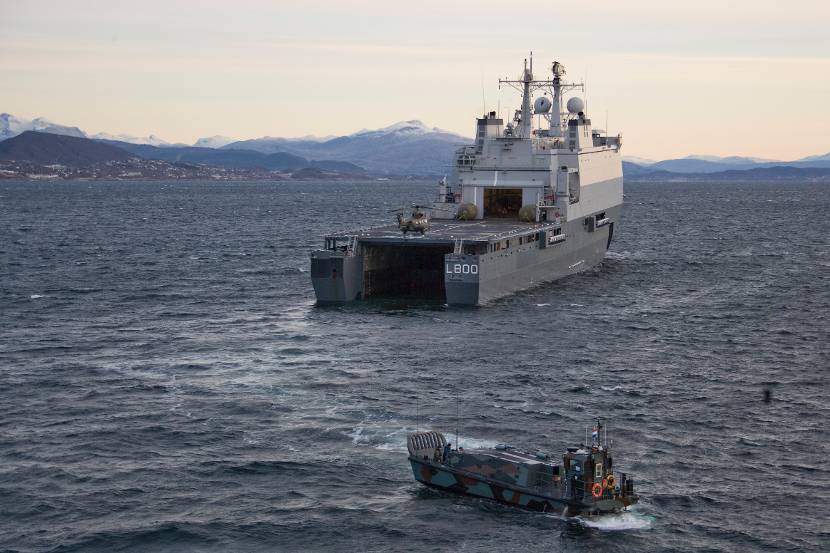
524	204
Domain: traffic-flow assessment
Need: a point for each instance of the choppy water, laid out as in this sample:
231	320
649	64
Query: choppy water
166	382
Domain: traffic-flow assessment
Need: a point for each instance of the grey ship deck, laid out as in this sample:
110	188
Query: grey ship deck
444	232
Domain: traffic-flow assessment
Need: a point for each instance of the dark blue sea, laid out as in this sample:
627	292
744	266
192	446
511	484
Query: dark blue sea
168	384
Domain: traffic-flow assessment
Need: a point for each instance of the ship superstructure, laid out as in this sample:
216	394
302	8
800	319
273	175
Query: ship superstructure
524	204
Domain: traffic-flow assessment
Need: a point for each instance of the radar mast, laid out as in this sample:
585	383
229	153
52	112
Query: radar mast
556	86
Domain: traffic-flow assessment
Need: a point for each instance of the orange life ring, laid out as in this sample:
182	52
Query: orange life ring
596	490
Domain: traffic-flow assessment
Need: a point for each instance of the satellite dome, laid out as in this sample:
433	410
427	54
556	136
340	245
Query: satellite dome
542	104
575	105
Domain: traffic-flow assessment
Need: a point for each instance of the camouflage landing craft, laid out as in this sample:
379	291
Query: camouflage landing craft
584	483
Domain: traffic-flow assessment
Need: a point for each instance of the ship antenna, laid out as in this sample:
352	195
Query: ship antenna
483	101
586	92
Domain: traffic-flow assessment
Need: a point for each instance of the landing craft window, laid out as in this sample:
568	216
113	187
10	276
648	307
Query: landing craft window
598	473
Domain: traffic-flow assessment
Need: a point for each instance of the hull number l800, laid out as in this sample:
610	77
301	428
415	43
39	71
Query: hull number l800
461	269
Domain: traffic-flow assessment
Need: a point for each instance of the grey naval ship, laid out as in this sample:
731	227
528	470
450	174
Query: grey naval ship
584	482
524	204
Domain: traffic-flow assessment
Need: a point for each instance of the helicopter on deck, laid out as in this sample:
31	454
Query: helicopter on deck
418	221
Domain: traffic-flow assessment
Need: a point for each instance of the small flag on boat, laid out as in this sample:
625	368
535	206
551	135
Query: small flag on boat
595	433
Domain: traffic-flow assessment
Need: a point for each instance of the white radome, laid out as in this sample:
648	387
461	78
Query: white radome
575	105
542	104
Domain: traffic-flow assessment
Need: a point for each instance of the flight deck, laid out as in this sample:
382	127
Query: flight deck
444	232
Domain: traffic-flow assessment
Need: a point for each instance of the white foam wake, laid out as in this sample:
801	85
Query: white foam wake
627	520
391	438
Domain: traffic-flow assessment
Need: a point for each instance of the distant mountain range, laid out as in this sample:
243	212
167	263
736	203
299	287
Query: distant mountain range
232	157
41	155
42	148
407	148
635	173
715	164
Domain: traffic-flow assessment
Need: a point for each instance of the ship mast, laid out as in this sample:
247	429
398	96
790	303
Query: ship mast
527	78
556	117
556	86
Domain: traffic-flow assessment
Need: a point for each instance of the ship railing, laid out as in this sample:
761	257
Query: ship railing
333	243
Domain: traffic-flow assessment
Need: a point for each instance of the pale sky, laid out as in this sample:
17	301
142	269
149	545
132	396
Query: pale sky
675	78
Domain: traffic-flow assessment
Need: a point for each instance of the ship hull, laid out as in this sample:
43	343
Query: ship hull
433	271
500	274
444	478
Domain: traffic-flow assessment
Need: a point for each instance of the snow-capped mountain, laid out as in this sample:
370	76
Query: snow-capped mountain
152	140
402	128
216	141
820	157
12	126
639	160
407	147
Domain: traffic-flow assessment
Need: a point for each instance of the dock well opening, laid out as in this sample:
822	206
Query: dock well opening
394	271
502	202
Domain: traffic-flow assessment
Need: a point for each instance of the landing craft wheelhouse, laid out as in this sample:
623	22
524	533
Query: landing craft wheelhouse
522	206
